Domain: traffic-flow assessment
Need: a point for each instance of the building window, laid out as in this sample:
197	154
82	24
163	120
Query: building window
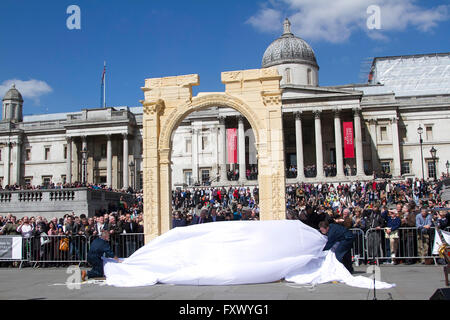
188	146
386	166
65	152
403	134
406	167
287	75
429	133
47	153
204	142
205	175
46	180
103	150
28	154
187	174
28	180
309	76
383	133
0	154
431	169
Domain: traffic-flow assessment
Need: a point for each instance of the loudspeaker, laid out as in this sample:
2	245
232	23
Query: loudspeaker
441	294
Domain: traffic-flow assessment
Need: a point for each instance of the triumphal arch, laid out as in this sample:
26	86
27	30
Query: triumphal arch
255	93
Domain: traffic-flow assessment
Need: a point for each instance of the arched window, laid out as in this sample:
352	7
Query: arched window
309	76
287	75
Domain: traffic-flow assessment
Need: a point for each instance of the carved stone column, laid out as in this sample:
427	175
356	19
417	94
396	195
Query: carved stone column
108	161
338	143
222	149
358	142
69	160
319	150
125	161
299	146
7	165
396	147
241	149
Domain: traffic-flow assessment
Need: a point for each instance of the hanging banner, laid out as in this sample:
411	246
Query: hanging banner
232	145
349	150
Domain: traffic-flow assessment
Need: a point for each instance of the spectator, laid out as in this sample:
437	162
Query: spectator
423	224
392	224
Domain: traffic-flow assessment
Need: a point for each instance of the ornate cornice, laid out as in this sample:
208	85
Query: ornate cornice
154	106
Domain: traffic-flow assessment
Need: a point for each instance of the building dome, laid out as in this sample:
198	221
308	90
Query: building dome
13	94
288	49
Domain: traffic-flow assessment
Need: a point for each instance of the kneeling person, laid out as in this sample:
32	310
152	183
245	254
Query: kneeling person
340	237
99	247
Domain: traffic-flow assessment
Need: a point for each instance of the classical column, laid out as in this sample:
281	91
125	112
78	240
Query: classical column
338	143
108	161
17	148
125	161
299	146
241	149
222	150
396	147
83	160
195	154
318	135
6	164
358	143
69	160
373	144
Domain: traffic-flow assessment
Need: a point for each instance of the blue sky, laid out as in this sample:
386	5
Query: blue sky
59	70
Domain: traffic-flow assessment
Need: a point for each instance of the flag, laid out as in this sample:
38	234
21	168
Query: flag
232	145
349	151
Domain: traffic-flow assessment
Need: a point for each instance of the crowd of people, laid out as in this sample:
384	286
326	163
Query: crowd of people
381	207
59	185
46	237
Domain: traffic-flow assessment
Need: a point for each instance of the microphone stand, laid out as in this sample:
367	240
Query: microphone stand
374	291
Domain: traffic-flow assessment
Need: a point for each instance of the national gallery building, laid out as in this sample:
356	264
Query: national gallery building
343	133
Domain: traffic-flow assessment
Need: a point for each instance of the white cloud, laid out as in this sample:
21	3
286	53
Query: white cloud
336	20
266	19
30	89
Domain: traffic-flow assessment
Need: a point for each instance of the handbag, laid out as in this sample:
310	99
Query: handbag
64	244
44	238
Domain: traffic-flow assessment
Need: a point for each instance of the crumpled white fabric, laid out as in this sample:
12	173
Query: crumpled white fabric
234	252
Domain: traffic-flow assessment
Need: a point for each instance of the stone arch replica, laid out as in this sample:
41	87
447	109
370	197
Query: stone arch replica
256	94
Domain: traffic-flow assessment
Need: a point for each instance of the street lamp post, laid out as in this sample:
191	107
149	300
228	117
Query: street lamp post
433	156
420	131
84	162
132	166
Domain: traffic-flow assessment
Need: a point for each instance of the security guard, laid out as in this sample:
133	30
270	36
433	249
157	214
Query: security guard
341	239
99	247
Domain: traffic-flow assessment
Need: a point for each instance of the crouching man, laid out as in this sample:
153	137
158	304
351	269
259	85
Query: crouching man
99	247
341	239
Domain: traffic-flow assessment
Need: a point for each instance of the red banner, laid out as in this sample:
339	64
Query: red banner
349	150
232	145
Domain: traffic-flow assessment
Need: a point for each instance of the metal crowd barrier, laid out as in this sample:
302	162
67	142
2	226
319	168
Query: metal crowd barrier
358	250
371	245
409	244
56	249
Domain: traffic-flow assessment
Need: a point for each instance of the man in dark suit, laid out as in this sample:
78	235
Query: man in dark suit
342	239
99	247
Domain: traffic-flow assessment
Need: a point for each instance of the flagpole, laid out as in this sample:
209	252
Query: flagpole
104	87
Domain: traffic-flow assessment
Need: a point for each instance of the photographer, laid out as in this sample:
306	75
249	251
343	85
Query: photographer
10	227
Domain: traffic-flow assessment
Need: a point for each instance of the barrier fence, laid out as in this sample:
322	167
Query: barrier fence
374	244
